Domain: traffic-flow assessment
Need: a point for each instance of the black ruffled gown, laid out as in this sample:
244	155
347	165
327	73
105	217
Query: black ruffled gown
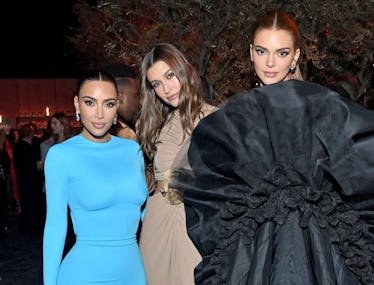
281	189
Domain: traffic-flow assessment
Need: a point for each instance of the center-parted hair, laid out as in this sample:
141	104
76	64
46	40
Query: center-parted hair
154	113
278	20
96	75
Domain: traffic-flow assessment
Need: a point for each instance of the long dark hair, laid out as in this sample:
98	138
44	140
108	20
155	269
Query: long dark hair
95	75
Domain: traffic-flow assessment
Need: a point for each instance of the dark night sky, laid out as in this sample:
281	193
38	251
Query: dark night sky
33	39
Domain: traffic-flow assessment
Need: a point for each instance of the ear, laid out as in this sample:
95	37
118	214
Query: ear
296	56
250	52
76	104
121	96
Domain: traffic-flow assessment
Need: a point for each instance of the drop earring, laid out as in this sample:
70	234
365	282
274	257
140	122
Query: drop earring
115	119
292	68
77	116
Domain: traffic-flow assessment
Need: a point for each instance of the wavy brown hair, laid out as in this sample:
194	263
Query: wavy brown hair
153	112
65	121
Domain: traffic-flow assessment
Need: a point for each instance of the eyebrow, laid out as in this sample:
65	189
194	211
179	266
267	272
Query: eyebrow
94	99
259	46
164	74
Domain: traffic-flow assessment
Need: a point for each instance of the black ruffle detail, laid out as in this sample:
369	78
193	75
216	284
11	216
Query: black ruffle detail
281	191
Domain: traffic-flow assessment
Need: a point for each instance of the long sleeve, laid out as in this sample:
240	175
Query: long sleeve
56	221
142	169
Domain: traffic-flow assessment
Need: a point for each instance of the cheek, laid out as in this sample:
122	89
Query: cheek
176	83
85	112
285	64
159	93
258	61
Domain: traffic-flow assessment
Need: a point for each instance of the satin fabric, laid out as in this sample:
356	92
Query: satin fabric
280	189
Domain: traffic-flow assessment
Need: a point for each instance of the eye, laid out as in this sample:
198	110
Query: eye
260	51
155	85
283	53
170	75
88	102
110	104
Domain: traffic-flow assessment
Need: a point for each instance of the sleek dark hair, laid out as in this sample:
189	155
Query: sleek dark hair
95	75
278	20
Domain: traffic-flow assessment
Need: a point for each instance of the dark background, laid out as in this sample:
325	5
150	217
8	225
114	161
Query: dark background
34	40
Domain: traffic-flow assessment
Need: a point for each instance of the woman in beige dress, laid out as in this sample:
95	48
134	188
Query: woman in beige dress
172	104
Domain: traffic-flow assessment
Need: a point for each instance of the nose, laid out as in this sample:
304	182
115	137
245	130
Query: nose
270	61
166	87
99	112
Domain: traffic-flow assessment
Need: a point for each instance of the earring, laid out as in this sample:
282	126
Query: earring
77	116
115	120
293	68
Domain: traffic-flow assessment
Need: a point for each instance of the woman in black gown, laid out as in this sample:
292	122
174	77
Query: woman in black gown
280	183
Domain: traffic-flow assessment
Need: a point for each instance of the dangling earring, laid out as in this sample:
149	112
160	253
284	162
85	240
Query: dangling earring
293	68
115	119
77	116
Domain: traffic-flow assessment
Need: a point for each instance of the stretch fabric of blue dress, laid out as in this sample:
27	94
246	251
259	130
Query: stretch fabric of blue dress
105	188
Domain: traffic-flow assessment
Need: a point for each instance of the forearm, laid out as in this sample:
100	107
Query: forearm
53	245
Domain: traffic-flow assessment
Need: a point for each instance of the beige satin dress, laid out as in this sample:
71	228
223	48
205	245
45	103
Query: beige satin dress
168	254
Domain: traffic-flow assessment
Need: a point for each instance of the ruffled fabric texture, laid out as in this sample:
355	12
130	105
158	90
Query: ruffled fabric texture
280	189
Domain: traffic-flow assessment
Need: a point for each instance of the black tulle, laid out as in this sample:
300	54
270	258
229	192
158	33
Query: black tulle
281	189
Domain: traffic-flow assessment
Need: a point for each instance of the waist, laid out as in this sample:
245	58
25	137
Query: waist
106	241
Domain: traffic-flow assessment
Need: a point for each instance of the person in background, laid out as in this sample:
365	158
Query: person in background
4	176
129	104
10	142
26	156
279	185
101	179
172	102
61	130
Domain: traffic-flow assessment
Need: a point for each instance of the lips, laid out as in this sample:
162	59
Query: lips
98	125
172	97
270	74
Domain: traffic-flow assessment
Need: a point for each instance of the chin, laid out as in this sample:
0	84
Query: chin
269	81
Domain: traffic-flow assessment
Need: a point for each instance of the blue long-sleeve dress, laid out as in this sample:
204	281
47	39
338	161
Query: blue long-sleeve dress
104	185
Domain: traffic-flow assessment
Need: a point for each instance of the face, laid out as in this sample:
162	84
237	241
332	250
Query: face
56	126
272	53
165	83
129	100
97	104
16	136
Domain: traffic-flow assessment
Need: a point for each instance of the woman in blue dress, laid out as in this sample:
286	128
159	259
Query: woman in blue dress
101	179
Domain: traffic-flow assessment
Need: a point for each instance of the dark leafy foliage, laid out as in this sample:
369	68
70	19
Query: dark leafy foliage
215	36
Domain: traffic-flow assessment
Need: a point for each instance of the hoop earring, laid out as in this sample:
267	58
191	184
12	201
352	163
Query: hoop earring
115	119
77	116
292	68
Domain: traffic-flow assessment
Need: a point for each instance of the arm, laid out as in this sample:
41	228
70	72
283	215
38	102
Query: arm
144	182
56	221
127	133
